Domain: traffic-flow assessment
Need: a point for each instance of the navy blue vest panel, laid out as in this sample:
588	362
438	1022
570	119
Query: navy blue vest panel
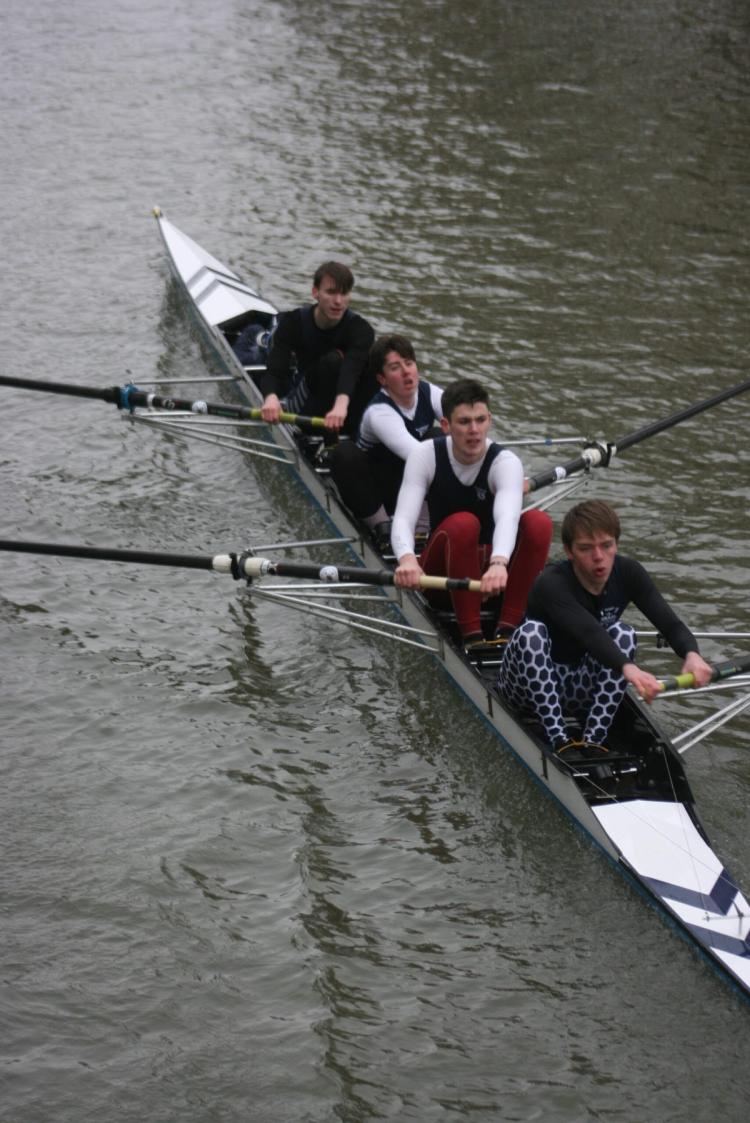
447	495
424	415
418	426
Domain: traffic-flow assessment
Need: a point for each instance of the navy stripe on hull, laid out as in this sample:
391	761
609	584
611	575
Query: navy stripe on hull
718	901
228	278
217	284
720	941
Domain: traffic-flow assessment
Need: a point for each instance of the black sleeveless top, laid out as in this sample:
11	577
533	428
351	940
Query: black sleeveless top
447	495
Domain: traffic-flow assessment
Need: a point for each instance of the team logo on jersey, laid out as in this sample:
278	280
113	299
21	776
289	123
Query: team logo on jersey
481	493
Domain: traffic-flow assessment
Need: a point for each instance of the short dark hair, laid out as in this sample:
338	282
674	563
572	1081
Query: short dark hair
593	516
463	392
340	274
385	343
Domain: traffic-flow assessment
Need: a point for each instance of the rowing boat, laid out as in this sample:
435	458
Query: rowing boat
638	806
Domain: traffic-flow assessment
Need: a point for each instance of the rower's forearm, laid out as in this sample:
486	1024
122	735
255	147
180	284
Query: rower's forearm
402	537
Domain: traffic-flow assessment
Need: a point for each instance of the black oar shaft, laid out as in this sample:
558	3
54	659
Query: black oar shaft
130	397
597	454
731	667
239	565
259	567
682	415
562	471
107	394
99	553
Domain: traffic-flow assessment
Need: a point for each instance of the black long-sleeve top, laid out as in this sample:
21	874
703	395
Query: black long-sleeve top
299	341
576	619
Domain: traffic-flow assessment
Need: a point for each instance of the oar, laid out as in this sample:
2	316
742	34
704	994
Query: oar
720	671
600	454
238	564
129	397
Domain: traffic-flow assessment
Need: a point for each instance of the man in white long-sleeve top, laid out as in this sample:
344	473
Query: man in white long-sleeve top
474	491
403	412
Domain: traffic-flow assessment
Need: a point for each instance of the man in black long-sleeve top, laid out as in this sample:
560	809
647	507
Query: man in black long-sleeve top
318	356
573	653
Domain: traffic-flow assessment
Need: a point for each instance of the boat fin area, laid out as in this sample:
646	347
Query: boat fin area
661	845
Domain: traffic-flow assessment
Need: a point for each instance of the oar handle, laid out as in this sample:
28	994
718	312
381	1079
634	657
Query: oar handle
676	682
300	419
719	671
426	581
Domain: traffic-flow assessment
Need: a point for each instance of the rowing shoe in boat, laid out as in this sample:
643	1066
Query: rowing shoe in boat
637	804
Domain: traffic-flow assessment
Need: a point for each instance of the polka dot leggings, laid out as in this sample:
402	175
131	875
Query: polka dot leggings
534	684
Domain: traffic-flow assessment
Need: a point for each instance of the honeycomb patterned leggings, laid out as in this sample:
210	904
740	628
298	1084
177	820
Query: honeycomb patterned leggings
586	690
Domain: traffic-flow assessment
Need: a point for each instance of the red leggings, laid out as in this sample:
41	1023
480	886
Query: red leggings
454	550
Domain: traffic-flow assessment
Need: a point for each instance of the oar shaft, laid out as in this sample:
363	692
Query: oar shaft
243	413
682	415
597	454
99	553
106	394
591	459
130	397
259	567
240	565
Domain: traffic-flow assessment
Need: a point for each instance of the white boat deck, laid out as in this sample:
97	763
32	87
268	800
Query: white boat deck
218	293
659	842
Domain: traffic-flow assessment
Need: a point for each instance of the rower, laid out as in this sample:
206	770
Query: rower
402	413
573	654
318	356
474	490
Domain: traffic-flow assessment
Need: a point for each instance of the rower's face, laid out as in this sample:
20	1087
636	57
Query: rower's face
400	377
593	556
332	303
468	426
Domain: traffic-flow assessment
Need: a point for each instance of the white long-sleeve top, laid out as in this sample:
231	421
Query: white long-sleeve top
505	479
382	425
